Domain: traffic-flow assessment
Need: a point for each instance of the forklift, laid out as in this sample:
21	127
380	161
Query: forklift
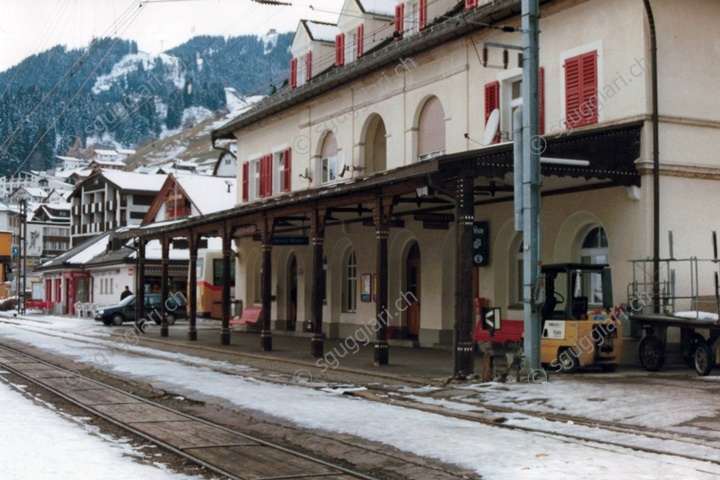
579	326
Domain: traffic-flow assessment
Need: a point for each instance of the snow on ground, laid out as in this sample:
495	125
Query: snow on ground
495	453
39	443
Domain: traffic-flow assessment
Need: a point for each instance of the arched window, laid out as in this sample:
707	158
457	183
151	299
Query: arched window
328	159
350	290
431	130
594	250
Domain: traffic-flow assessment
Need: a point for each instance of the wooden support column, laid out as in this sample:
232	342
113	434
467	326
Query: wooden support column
226	255
266	237
464	322
140	284
193	240
381	218
318	240
164	330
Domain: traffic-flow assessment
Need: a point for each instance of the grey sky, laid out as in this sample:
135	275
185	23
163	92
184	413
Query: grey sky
31	26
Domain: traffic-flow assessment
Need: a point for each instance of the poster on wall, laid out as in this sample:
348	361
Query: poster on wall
366	287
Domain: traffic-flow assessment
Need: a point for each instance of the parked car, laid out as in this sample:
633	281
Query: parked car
176	307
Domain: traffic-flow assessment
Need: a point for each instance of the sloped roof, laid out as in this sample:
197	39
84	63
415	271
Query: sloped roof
379	7
209	194
321	31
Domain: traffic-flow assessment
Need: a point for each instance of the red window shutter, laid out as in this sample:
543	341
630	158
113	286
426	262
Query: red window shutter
399	20
422	21
541	101
360	40
245	181
293	73
471	3
287	169
340	49
308	66
590	87
492	101
268	175
581	83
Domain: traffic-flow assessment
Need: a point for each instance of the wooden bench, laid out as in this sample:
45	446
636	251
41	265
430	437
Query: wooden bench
510	330
250	316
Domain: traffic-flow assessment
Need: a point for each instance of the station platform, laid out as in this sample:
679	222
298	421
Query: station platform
294	349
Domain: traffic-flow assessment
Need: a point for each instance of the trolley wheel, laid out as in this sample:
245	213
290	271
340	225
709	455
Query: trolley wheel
569	361
652	353
703	359
689	358
117	319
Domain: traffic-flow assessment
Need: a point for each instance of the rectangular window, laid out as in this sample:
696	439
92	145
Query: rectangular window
218	272
581	90
282	168
350	47
413	21
329	169
254	180
301	74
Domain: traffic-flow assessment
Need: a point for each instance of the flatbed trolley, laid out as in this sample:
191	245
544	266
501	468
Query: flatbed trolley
699	337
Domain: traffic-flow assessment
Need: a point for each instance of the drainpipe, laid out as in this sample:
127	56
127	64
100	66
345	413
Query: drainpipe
656	159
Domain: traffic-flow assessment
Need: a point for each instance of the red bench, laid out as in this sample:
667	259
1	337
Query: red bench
510	330
39	304
250	315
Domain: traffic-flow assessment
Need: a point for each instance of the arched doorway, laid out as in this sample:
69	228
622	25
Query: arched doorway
413	291
292	284
376	145
431	130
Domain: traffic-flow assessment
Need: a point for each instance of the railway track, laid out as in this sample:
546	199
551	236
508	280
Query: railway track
602	434
227	452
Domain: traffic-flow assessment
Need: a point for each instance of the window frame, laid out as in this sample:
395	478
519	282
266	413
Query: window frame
350	283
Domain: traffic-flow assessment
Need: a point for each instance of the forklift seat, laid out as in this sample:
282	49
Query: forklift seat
579	307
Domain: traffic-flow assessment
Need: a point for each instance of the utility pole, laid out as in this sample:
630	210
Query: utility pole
22	264
531	150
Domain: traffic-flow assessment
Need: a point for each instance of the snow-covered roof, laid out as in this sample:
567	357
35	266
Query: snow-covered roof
33	191
106	152
380	7
153	251
126	151
110	162
71	159
92	250
134	181
209	194
321	31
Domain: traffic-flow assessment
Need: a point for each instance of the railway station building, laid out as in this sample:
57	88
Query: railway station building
375	189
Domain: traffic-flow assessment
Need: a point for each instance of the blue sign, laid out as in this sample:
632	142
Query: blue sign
15	250
481	240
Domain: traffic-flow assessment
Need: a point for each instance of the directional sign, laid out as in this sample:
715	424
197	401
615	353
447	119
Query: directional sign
481	241
15	250
299	240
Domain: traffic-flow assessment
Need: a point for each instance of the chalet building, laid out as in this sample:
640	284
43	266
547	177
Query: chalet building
96	272
376	190
107	200
49	230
